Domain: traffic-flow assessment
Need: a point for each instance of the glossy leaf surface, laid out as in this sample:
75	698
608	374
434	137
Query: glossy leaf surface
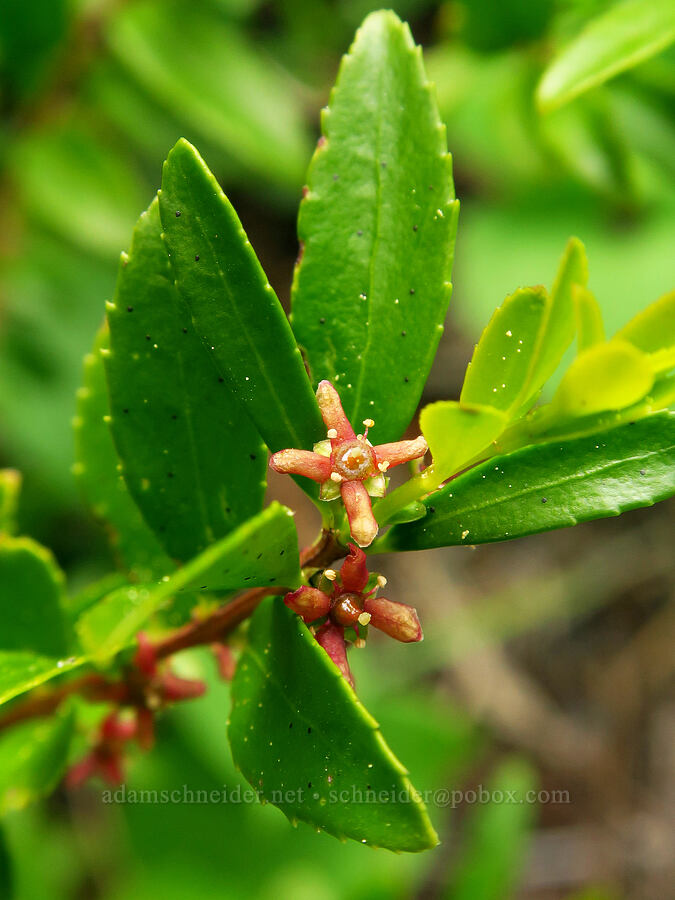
96	470
192	460
377	227
303	740
234	308
548	486
261	552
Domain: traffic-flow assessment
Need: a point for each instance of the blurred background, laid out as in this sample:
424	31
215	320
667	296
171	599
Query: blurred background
548	662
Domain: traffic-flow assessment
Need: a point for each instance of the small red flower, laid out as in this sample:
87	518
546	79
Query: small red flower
347	464
347	606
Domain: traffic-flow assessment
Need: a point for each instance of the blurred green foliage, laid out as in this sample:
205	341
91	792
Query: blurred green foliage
92	95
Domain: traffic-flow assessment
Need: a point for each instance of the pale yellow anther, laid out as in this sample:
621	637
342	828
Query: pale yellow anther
332	433
359	643
381	581
368	423
336	477
383	466
359	437
364	618
330	574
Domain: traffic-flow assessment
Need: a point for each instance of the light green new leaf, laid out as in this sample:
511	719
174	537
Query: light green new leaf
31	599
548	486
97	472
377	230
33	757
500	367
10	485
456	435
588	315
234	308
496	835
191	458
261	552
21	671
653	332
558	330
625	35
304	741
607	376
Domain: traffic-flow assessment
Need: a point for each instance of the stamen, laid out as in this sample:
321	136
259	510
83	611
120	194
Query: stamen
368	423
332	433
364	618
335	476
381	581
359	643
330	574
383	466
359	437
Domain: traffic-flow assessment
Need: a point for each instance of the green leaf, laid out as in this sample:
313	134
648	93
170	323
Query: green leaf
558	330
33	757
497	834
230	92
97	472
653	329
618	39
260	553
31	598
500	367
611	375
590	327
548	486
233	306
10	485
304	741
21	671
378	228
191	457
456	435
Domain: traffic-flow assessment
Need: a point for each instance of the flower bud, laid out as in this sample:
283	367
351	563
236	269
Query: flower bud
398	620
354	572
331	638
308	602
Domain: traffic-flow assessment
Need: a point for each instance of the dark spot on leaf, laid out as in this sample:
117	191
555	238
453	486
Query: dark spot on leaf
322	321
384	165
432	509
368	787
203	587
431	187
272	579
252	456
125	410
281	552
412	290
169	474
130	309
406	379
247	577
360	233
403	334
221	380
177	213
185	331
290	724
335	177
642	472
544	500
309	784
148	338
197	258
309	730
259	556
414	227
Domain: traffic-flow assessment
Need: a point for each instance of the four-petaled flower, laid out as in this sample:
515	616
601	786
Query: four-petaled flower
347	464
346	605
